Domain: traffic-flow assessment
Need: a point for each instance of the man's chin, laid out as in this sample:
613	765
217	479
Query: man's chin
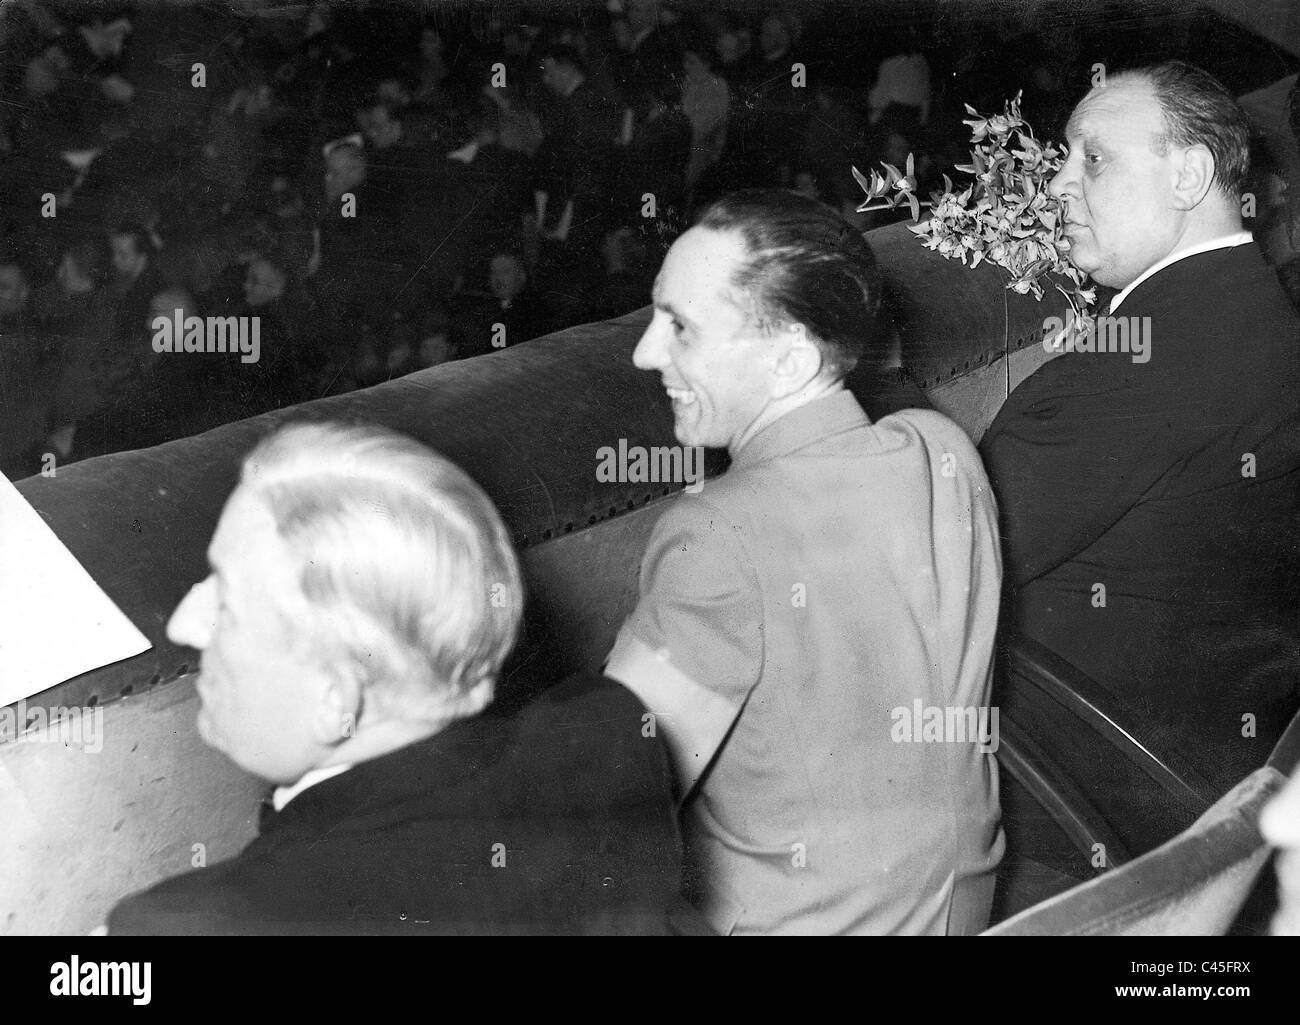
1080	260
687	428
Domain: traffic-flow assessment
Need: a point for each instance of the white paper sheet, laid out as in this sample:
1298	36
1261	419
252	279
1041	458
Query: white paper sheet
55	621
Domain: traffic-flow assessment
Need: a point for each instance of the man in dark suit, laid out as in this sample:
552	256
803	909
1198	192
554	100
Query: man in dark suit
654	162
363	596
650	55
574	161
1149	495
134	282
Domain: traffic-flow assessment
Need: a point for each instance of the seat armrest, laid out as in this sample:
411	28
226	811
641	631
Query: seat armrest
1108	715
1066	804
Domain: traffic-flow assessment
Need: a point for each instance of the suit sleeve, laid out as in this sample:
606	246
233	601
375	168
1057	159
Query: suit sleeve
700	600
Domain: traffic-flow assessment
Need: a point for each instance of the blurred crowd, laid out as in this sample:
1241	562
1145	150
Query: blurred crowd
389	186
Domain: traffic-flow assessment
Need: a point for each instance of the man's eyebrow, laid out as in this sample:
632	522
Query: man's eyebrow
670	308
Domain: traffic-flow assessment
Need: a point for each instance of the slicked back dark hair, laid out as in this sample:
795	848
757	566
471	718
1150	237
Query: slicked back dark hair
1198	109
806	265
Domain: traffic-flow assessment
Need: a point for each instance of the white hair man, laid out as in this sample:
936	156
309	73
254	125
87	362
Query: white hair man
363	596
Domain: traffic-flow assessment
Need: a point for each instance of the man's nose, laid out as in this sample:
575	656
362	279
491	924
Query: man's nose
195	618
1062	185
649	353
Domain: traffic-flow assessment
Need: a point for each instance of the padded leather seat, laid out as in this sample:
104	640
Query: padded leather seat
1194	885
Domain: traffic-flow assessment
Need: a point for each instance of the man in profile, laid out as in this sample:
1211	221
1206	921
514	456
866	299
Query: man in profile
796	616
363	597
1149	508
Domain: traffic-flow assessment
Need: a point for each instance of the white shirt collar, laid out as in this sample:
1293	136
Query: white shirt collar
283	795
1239	238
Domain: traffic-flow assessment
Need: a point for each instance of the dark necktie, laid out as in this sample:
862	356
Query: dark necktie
1105	296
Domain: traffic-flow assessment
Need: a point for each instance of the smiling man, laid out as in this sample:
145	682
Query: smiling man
839	571
1149	510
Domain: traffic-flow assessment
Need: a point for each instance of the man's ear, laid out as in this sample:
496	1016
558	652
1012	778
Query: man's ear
1194	176
798	359
337	711
476	698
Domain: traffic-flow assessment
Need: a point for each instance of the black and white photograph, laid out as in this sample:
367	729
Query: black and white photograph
650	468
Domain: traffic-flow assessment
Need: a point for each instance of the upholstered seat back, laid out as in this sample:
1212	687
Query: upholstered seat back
528	423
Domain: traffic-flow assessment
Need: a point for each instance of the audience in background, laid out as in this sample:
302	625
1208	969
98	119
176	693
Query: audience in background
24	404
350	172
706	102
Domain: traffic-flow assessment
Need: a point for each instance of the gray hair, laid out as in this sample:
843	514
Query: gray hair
406	559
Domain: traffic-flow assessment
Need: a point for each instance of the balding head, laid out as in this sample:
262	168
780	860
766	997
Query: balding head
1143	177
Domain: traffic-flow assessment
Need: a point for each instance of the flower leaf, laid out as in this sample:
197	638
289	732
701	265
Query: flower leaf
1003	215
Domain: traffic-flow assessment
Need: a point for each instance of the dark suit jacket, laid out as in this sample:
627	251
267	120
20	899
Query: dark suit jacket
574	162
1136	476
474	320
557	820
654	162
655	59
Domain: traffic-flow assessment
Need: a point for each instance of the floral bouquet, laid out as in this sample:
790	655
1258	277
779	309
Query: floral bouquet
1005	216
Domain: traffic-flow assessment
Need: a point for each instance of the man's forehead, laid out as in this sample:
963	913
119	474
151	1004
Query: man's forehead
246	534
700	266
1127	103
257	570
